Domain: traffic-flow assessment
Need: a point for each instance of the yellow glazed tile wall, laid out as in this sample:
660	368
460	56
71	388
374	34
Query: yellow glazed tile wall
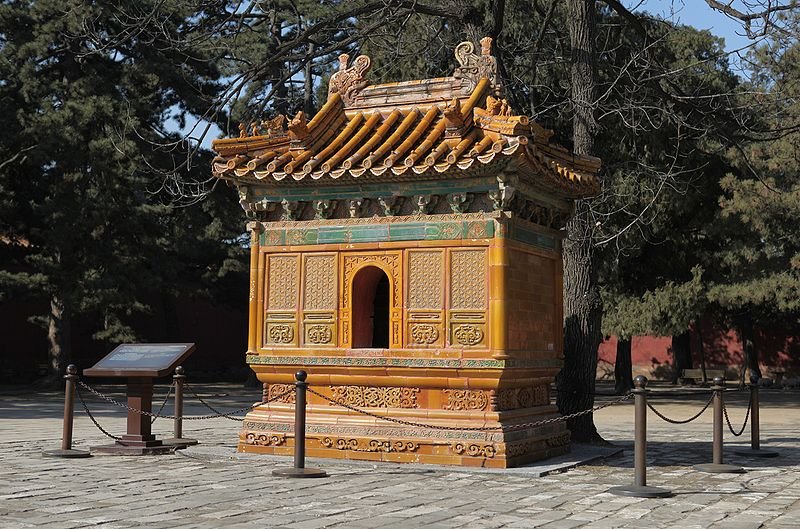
533	303
440	296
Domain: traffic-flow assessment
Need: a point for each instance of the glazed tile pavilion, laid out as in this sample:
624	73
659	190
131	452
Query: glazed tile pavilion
406	252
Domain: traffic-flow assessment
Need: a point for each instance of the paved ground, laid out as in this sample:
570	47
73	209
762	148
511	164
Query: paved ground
210	486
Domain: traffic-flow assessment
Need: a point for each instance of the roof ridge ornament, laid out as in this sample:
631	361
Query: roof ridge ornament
349	80
298	127
454	120
274	127
497	107
473	68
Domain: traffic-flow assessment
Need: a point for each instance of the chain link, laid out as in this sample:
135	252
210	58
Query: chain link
520	426
746	417
161	408
218	413
89	413
690	419
190	418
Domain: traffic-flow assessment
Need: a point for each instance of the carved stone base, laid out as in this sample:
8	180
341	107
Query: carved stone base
123	450
134	445
344	435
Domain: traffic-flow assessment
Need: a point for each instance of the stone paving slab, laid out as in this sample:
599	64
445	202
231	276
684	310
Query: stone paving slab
225	489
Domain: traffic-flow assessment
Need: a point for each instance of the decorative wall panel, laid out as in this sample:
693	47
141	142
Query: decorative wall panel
425	280
468	279
465	399
376	397
283	284
425	276
468	298
320	282
319	299
283	293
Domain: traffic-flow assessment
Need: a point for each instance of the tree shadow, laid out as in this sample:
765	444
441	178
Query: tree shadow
689	453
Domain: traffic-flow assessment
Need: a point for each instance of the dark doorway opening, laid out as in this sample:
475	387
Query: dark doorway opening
371	309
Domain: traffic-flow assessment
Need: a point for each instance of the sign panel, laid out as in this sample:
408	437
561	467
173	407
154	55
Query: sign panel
141	360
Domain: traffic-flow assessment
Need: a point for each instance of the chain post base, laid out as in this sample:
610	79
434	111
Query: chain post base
640	491
300	473
180	443
122	450
71	453
718	468
134	445
755	452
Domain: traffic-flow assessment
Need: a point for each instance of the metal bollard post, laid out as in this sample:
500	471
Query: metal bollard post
178	440
639	488
69	404
717	466
299	470
755	426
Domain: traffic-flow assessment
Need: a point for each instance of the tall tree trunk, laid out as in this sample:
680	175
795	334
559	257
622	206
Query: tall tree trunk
583	308
701	349
171	320
749	352
623	368
681	354
58	339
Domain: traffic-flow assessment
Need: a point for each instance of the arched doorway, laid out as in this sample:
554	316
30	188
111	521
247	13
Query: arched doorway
370	309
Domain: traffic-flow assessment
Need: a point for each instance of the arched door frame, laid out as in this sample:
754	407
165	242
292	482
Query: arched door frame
390	263
370	322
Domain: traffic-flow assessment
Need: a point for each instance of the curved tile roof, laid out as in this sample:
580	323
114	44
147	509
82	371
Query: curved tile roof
434	128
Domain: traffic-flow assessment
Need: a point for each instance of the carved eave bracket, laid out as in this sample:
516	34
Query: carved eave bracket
503	196
472	68
291	210
349	80
459	202
323	209
391	205
358	207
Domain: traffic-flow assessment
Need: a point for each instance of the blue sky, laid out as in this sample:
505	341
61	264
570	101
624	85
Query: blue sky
696	13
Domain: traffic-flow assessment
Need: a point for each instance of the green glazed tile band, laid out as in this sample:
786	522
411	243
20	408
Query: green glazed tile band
447	363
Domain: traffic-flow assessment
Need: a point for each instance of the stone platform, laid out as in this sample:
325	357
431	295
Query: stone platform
333	432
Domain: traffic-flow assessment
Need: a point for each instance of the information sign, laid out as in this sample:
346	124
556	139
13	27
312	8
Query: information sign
141	360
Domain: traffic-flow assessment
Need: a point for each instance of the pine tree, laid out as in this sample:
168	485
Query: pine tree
87	101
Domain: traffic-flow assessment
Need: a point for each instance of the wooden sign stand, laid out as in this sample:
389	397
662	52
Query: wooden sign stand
140	364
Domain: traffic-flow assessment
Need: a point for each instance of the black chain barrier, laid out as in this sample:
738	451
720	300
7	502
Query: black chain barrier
89	413
511	427
161	408
686	421
746	417
216	414
228	416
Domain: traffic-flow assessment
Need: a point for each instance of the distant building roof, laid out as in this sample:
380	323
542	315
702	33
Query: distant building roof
431	128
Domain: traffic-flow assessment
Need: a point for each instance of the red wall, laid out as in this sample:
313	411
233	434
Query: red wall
652	355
